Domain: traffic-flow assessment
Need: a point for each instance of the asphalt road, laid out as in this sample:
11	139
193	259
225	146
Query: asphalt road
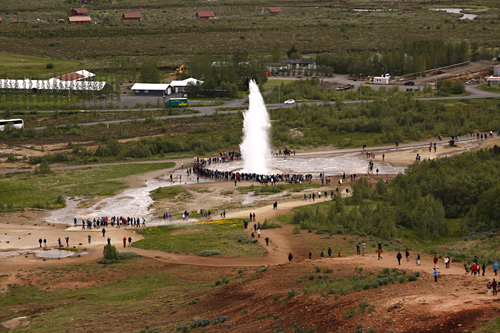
210	110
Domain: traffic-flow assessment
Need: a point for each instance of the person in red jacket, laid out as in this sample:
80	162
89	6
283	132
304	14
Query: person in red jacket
124	241
340	255
435	261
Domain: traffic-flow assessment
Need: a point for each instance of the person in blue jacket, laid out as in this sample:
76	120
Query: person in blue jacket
435	275
495	267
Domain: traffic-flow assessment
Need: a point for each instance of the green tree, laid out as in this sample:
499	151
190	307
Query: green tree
150	72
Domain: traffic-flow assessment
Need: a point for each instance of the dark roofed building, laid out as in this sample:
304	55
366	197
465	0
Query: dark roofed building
86	1
205	15
131	16
0	19
298	62
271	10
79	11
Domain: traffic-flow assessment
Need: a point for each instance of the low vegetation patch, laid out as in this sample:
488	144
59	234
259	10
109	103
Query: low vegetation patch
220	237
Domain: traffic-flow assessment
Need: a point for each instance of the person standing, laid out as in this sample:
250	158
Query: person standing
407	253
321	255
495	267
363	247
329	252
494	286
435	261
379	254
267	241
44	242
103	232
290	257
488	286
40	241
258	233
340	254
224	213
59	241
67	241
484	268
380	246
310	254
90	238
124	241
129	241
109	241
435	274
254	216
417	262
358	251
399	256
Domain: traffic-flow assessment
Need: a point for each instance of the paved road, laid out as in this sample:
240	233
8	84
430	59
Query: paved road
210	110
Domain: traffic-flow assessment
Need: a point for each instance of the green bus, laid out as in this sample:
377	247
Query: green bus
176	102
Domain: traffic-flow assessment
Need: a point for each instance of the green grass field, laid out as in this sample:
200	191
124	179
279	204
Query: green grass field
219	235
28	190
494	88
273	189
35	66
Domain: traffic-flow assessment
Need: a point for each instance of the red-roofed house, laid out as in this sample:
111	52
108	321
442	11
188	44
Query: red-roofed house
70	77
131	16
271	10
205	15
79	12
79	19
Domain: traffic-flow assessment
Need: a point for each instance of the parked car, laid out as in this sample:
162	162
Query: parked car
290	101
409	83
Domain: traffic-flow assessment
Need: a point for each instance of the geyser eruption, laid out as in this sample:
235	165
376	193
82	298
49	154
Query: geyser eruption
256	124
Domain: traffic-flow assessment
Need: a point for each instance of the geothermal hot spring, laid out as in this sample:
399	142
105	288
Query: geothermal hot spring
257	158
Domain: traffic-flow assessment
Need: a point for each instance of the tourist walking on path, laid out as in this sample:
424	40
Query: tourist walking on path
417	262
379	254
484	268
44	243
267	241
340	254
407	253
129	241
488	286
124	241
258	233
494	286
329	252
310	254
363	247
59	241
290	257
40	241
399	256
435	261
380	246
435	274
358	251
103	232
495	267
90	238
67	241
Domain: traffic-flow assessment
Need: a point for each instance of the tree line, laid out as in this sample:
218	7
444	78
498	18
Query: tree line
408	57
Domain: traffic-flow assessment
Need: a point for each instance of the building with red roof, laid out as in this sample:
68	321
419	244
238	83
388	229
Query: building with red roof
271	10
131	16
205	15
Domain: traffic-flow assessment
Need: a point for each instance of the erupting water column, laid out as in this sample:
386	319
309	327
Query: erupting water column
256	125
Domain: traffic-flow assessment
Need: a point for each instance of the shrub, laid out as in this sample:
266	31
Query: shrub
110	252
208	253
269	225
127	255
318	270
311	277
291	293
412	278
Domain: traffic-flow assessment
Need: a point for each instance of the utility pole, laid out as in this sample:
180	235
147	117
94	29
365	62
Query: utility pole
360	88
279	94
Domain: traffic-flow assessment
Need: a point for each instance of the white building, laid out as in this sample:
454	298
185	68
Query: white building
384	79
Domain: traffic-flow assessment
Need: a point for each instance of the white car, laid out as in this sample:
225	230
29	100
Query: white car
290	101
